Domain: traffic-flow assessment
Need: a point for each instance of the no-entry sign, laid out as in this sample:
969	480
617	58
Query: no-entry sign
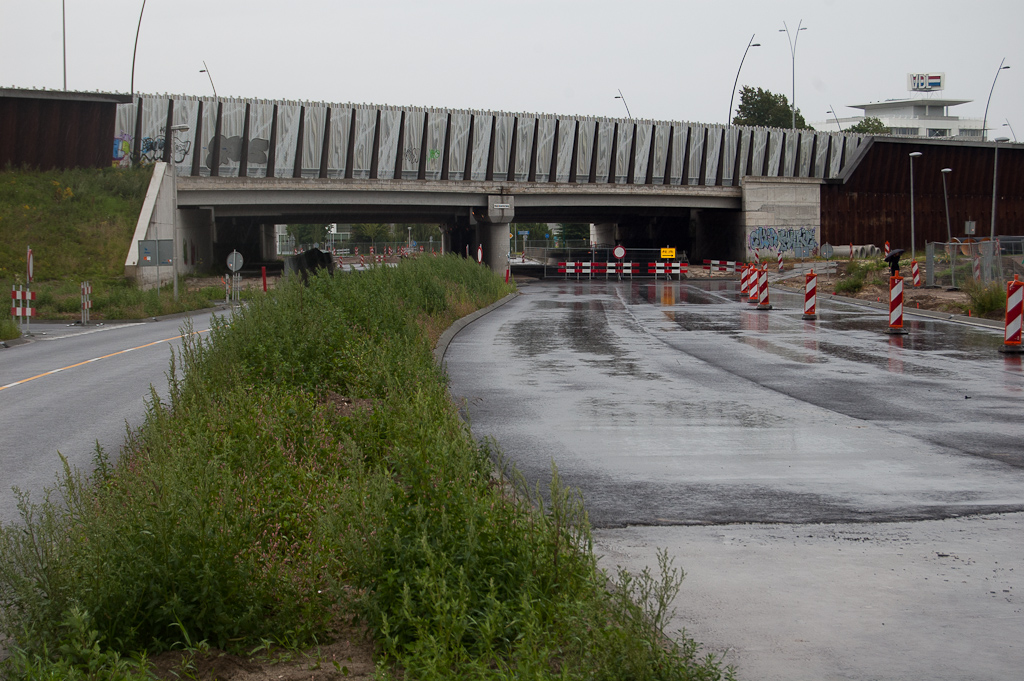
619	252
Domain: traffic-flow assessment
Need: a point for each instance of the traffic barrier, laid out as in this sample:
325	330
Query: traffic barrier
887	249
896	305
86	301
657	268
722	265
752	285
977	268
810	296
762	290
1014	310
22	308
915	273
744	274
780	260
620	268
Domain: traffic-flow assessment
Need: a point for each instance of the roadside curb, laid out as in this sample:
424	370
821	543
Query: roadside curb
446	338
909	311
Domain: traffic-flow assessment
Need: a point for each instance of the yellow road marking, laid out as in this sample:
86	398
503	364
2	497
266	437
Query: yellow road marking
96	359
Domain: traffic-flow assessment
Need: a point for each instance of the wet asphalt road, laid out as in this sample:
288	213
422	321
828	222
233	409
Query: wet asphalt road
846	504
680	404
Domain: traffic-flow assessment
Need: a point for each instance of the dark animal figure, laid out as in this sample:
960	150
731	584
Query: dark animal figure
309	262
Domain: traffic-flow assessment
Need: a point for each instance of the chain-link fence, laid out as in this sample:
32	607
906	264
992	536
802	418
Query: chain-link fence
956	264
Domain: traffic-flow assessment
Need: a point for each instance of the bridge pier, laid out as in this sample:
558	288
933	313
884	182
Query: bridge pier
493	225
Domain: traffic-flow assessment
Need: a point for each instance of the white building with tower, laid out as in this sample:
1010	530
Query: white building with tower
927	115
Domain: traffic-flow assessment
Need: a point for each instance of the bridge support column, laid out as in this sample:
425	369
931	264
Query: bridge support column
493	230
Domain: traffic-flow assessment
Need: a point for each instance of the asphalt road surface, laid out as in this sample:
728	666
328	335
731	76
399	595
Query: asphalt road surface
71	387
846	503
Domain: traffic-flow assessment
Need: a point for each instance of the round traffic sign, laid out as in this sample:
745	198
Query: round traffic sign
235	261
31	265
826	251
619	252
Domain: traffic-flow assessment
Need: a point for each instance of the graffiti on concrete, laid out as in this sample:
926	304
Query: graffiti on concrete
231	150
122	150
801	241
151	149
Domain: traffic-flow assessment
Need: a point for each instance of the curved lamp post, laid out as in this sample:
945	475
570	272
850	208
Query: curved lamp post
619	96
995	170
949	230
792	51
984	122
913	155
945	197
833	112
135	51
728	120
206	70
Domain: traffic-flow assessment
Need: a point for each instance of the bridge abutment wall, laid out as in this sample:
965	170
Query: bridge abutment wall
780	213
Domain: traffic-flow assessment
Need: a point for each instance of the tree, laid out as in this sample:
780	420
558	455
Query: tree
308	234
575	231
372	232
869	126
537	229
765	108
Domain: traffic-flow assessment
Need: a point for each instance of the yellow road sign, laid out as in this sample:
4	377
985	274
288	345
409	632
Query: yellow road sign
668	253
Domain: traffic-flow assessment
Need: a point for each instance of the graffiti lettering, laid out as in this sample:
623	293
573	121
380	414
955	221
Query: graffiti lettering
231	150
801	241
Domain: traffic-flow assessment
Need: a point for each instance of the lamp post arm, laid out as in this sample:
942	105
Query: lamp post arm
984	122
728	120
135	51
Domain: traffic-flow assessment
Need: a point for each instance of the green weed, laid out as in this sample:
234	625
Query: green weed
252	508
985	301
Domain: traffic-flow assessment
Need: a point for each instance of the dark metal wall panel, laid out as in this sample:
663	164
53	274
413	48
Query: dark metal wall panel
874	204
54	133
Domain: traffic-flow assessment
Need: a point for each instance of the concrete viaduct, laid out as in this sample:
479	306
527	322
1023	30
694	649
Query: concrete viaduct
228	169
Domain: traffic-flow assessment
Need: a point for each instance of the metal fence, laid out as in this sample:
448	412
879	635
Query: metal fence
957	264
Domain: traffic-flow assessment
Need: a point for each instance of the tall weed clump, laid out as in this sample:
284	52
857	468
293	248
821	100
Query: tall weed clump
985	301
309	465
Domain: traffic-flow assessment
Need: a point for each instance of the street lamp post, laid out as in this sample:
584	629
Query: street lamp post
995	170
135	51
175	247
620	96
945	197
792	51
728	120
984	122
949	230
913	155
1007	124
209	75
832	111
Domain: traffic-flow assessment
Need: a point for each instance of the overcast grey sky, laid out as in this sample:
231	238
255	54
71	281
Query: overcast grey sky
672	59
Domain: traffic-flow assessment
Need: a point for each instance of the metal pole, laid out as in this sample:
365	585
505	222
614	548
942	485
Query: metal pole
995	170
945	196
136	50
833	112
728	120
64	38
620	96
949	231
913	154
984	122
792	52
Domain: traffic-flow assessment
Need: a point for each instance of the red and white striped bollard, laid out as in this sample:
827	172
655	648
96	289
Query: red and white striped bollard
1014	310
915	273
811	296
762	290
896	305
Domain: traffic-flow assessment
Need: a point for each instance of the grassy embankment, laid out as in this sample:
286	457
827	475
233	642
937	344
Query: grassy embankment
79	224
258	505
